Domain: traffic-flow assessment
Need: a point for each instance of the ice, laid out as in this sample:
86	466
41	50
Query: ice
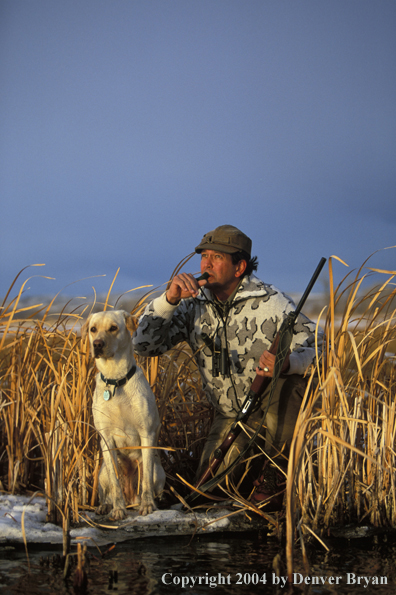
24	515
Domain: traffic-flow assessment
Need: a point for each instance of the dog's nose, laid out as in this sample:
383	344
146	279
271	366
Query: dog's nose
98	345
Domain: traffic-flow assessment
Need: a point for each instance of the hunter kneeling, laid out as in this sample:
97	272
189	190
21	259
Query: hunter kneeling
230	320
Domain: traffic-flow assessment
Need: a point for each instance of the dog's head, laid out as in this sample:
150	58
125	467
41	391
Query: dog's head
108	332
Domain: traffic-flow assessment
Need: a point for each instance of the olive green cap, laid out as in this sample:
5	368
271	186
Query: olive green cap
225	238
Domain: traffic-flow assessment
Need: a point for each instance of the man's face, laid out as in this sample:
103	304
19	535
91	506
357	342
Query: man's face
224	276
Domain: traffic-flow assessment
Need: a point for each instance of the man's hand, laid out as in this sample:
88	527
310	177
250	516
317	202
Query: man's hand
267	364
183	286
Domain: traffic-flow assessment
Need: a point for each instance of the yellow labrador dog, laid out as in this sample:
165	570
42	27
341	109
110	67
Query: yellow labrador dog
125	415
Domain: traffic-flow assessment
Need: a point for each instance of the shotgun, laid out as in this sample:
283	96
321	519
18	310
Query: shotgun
280	347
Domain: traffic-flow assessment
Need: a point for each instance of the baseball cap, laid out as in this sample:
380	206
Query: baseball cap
225	238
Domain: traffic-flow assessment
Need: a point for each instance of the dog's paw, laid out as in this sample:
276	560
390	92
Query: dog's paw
118	514
147	506
115	514
147	509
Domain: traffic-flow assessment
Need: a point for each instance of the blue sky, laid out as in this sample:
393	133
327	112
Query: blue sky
130	128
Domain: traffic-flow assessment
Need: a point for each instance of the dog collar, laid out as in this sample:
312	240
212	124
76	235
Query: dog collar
116	383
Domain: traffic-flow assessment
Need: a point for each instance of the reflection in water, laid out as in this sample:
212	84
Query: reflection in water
218	564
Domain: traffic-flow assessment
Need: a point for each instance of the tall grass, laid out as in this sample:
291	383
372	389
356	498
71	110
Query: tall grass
45	380
48	441
343	454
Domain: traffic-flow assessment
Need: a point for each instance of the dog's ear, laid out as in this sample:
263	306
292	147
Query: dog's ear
130	322
84	328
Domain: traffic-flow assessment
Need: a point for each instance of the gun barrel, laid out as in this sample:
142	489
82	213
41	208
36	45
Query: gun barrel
309	286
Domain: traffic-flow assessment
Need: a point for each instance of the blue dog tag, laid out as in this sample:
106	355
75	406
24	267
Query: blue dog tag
106	395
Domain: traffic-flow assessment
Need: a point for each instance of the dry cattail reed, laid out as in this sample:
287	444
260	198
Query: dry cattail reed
341	468
342	461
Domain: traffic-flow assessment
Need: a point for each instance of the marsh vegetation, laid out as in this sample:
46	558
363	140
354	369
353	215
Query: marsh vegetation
343	456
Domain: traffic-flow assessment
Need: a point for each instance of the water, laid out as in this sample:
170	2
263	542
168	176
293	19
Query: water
234	564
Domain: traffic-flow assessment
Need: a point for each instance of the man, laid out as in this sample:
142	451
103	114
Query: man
230	320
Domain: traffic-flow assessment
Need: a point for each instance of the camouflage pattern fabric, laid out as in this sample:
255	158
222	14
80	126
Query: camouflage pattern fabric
245	326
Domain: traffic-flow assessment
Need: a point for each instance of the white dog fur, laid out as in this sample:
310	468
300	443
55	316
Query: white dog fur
128	419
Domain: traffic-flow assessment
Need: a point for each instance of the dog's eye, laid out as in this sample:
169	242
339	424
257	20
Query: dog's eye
113	328
93	329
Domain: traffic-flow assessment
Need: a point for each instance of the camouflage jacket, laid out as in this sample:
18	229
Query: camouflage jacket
246	327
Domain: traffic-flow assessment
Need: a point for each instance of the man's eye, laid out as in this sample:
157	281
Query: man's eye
113	328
